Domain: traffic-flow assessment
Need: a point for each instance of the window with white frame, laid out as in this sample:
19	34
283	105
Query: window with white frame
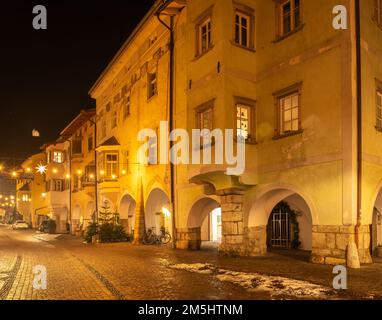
379	110
204	36
289	113
57	185
242	29
289	12
152	85
58	157
112	165
378	12
206	119
244	121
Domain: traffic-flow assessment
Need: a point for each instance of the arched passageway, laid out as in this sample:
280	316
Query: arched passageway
281	219
127	213
205	220
157	212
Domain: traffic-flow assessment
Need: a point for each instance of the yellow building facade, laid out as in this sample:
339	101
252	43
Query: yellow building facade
305	96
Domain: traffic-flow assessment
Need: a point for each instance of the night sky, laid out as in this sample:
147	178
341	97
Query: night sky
45	75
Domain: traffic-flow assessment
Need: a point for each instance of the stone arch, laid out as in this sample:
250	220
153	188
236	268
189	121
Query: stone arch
154	215
264	203
126	212
376	223
201	219
200	209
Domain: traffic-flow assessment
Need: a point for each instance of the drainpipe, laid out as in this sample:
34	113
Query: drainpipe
171	114
96	169
359	122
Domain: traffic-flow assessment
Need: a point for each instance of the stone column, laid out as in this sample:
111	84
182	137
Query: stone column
140	223
232	224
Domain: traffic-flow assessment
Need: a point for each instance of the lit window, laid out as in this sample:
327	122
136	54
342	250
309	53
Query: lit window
205	119
25	198
112	165
289	113
379	110
242	29
290	16
378	12
244	122
152	84
58	157
204	36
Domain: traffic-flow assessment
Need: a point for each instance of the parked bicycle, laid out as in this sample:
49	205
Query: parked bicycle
152	238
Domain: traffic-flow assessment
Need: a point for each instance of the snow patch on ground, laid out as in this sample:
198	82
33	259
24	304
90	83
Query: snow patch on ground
276	286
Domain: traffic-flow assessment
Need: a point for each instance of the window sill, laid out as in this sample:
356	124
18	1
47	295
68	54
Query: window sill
283	37
250	49
286	135
199	55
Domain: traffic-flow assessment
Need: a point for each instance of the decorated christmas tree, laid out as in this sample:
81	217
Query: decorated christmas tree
105	215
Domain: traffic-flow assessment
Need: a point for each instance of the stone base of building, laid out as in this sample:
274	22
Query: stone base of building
188	238
329	244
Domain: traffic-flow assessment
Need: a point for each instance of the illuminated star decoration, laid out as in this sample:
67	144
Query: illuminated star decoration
41	168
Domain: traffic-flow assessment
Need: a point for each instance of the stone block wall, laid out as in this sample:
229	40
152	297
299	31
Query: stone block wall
329	244
232	225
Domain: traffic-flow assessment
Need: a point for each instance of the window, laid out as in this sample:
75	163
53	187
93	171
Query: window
289	113
204	36
58	157
152	84
77	146
90	143
75	183
289	12
126	107
25	198
379	110
112	166
245	123
377	17
114	118
206	119
58	185
242	29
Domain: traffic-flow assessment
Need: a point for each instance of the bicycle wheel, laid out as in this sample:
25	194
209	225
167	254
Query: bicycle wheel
166	238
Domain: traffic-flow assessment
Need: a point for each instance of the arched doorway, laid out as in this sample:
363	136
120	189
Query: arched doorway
281	218
205	218
157	212
127	213
376	228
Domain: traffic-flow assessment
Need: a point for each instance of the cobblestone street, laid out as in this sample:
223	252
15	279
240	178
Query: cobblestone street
77	271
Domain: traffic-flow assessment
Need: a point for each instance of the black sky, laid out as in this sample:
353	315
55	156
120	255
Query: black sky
45	75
